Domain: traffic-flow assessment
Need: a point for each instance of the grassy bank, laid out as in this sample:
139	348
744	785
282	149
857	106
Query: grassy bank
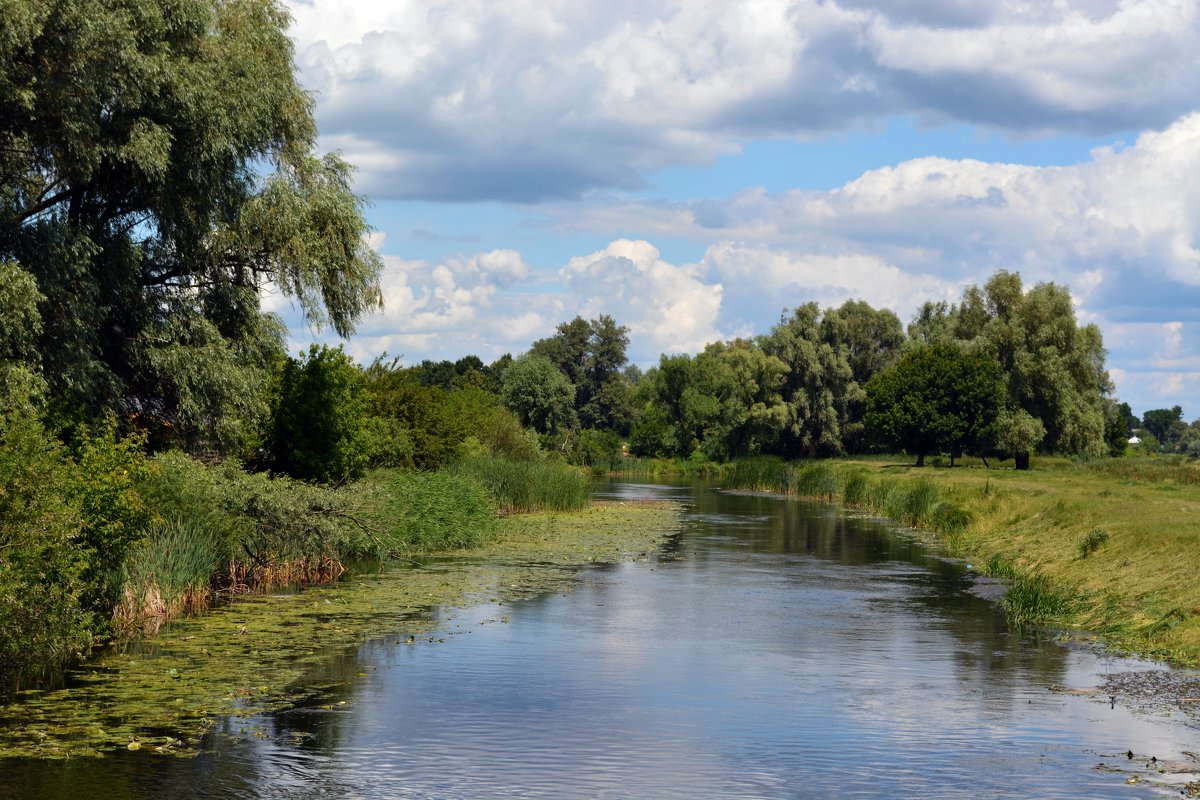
1112	547
104	542
275	651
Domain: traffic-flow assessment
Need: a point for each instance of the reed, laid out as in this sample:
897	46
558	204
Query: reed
520	487
172	572
428	512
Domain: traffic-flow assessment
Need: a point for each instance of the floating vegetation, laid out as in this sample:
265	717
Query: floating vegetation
164	693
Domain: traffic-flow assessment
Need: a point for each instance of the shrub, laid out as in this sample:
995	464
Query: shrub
318	424
1092	541
42	622
262	524
600	450
116	516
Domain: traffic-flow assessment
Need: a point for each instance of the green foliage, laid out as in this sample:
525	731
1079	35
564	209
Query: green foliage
133	141
1092	541
430	511
1018	434
819	384
43	623
1053	368
527	486
105	483
539	394
318	430
262	522
413	425
19	298
591	355
936	397
599	450
1166	425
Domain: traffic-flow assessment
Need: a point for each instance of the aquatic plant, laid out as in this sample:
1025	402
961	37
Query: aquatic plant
171	572
428	511
525	486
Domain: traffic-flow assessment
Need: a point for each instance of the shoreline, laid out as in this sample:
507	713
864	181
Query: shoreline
260	654
1081	550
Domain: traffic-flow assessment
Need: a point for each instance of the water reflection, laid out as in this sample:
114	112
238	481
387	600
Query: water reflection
776	649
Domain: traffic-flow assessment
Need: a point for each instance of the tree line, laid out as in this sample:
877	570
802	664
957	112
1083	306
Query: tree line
1005	372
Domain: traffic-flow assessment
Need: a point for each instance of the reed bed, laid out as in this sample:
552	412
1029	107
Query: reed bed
520	487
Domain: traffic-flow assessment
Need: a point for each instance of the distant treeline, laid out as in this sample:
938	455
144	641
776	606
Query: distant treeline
1006	371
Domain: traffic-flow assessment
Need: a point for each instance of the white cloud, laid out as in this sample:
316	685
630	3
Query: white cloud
534	99
668	308
1121	229
782	279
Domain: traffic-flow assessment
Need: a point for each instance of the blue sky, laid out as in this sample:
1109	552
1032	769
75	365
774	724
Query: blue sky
696	168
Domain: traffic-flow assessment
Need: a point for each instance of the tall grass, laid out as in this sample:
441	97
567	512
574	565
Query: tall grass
527	486
171	572
428	511
920	503
638	467
1146	470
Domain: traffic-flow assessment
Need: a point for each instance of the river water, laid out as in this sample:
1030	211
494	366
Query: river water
774	649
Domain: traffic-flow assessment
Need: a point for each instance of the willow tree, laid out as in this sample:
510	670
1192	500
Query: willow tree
1053	367
158	172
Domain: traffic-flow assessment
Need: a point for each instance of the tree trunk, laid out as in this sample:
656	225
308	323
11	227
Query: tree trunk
920	459
1022	460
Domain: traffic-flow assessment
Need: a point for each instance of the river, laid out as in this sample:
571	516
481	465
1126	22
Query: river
774	649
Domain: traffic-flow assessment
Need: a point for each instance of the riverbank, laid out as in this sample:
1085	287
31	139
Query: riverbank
263	652
1110	548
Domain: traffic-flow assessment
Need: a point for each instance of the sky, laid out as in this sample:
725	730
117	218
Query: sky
696	169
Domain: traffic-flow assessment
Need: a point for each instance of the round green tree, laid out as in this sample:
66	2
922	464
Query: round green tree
935	398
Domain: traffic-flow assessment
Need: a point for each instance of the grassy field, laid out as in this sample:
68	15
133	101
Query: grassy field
1110	547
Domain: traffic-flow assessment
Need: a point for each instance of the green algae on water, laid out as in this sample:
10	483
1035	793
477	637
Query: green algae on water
260	654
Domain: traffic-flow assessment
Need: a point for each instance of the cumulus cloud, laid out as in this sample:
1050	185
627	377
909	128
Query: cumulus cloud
668	308
536	99
1122	229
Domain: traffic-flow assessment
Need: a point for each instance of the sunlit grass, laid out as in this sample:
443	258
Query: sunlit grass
525	486
1112	546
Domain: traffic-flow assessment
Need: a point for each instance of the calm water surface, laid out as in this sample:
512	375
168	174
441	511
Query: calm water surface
775	649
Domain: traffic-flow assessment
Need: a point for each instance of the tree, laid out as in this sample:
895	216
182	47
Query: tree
540	395
1166	425
871	340
1053	368
157	172
819	385
936	397
319	428
1018	434
592	355
746	411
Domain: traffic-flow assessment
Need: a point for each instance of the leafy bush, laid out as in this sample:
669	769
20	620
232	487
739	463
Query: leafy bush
116	516
259	523
599	450
318	427
42	621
